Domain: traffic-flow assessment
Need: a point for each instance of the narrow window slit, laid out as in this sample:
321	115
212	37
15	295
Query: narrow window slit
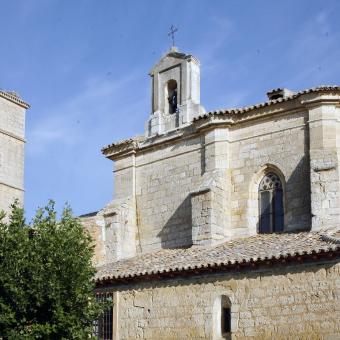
226	320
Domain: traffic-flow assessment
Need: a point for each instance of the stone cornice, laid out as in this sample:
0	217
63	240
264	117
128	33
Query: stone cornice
12	186
14	99
114	150
225	118
12	135
123	148
174	53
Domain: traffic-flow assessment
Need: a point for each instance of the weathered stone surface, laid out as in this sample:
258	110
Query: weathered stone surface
12	141
293	302
113	230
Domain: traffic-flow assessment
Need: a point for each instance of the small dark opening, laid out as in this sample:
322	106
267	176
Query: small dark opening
226	320
172	95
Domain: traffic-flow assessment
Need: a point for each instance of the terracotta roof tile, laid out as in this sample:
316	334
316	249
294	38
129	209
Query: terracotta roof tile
268	103
245	250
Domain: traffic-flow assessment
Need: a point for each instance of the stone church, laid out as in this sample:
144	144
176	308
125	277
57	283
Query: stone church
12	143
224	224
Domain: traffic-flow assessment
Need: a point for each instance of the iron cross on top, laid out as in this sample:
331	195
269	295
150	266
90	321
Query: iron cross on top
172	32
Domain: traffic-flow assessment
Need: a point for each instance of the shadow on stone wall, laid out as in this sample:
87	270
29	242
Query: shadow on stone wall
177	232
298	191
297	197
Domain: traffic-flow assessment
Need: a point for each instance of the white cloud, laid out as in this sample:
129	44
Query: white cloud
221	28
60	124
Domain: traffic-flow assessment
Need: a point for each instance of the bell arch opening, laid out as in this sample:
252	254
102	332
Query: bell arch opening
171	97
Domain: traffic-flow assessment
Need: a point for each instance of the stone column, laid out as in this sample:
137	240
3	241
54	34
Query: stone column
210	210
324	165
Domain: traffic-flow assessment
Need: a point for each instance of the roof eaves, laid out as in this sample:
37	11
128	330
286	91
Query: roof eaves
331	245
13	98
246	109
252	263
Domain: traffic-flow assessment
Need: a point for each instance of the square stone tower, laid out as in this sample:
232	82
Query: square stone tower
12	142
175	92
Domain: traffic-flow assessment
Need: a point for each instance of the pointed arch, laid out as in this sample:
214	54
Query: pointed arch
267	173
270	204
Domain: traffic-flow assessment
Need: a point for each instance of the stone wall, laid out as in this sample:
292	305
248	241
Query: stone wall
12	118
12	134
278	144
285	302
324	155
233	161
96	231
8	196
113	230
165	177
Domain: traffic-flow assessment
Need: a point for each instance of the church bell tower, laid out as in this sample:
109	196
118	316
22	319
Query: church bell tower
175	92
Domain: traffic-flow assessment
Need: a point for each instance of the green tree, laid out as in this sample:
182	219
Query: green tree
46	277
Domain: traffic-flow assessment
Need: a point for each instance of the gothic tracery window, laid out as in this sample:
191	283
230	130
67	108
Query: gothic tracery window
270	204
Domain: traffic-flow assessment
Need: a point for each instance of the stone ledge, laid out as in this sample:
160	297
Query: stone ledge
14	99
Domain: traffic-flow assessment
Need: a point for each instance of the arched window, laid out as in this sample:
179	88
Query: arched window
172	95
271	204
225	317
222	319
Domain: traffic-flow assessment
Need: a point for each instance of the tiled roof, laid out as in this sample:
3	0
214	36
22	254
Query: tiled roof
250	250
268	103
14	98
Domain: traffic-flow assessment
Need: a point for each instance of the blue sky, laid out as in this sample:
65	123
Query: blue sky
83	66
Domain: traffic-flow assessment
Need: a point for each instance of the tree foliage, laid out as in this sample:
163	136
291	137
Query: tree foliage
46	277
